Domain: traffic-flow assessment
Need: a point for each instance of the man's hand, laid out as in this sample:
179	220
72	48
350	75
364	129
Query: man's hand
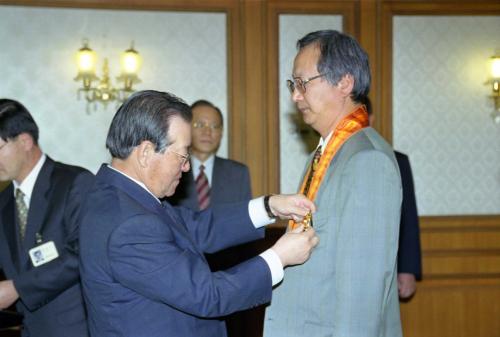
295	247
406	285
292	206
8	294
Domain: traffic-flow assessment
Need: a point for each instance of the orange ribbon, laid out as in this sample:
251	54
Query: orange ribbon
348	126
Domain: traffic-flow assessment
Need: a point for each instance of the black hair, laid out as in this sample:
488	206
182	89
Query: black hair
16	119
144	116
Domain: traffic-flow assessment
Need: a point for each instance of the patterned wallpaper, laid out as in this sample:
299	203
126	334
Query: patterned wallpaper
441	112
183	53
295	146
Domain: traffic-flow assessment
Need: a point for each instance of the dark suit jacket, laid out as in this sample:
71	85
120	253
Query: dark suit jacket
50	294
409	259
230	183
143	269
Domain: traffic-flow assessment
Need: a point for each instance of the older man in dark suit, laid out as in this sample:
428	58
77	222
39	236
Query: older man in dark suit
142	261
38	230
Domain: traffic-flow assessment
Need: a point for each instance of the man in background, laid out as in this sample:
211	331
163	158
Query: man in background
39	222
349	286
215	181
409	253
142	261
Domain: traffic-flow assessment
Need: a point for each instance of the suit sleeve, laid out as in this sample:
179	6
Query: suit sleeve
145	256
409	255
221	226
40	285
366	242
246	186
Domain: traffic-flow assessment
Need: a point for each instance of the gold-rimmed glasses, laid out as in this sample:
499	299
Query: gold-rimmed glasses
211	126
300	84
184	157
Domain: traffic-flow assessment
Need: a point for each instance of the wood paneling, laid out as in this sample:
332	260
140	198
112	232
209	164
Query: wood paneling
460	293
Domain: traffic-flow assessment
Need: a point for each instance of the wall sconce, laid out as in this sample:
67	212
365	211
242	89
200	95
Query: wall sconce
495	85
104	91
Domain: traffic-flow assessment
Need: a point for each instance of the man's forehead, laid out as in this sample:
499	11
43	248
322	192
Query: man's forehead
306	58
205	111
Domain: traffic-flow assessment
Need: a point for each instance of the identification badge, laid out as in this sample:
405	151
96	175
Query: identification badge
44	253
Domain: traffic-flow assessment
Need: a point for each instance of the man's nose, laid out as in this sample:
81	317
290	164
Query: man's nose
297	95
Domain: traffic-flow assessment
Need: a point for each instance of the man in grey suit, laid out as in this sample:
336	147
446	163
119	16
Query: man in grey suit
409	253
349	286
39	218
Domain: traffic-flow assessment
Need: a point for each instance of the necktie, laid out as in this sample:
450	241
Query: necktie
22	212
202	189
314	167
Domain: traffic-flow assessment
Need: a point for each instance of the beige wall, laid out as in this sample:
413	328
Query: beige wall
441	112
183	53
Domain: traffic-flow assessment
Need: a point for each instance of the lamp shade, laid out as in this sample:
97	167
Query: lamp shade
495	67
130	62
86	60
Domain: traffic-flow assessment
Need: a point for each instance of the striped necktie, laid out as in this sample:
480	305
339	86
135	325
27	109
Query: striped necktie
202	189
22	212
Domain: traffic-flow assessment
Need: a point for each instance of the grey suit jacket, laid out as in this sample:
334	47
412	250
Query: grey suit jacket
50	295
348	288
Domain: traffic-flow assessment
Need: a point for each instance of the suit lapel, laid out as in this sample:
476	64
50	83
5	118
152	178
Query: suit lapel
39	202
140	195
9	224
217	177
189	190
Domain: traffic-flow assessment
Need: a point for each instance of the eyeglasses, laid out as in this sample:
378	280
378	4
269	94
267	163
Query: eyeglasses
184	157
300	84
3	145
202	125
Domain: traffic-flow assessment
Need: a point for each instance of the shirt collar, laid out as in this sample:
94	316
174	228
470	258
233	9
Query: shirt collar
324	142
28	183
135	181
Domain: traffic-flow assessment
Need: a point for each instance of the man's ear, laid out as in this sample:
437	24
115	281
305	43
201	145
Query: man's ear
144	152
26	141
346	84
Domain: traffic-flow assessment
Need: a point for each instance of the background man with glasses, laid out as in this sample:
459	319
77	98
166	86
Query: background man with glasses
215	181
143	268
349	286
39	219
228	180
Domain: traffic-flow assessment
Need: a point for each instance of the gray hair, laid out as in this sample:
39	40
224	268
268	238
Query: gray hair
144	116
341	55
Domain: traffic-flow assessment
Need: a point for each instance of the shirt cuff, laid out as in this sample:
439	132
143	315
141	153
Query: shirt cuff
258	213
275	266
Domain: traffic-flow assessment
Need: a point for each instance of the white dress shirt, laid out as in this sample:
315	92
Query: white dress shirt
28	183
